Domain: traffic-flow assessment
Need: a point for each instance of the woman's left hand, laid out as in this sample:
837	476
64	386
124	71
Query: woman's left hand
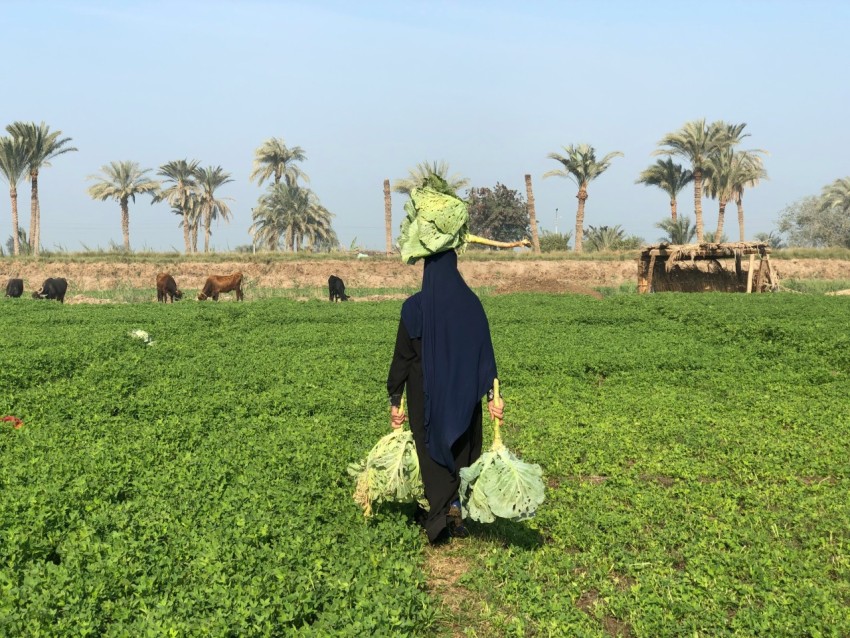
397	417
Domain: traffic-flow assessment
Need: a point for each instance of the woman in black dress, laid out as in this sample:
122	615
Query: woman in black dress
444	357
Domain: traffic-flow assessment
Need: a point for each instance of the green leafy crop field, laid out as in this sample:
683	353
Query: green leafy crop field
696	450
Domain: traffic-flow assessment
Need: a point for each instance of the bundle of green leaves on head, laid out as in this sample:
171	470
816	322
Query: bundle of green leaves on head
499	484
389	473
436	220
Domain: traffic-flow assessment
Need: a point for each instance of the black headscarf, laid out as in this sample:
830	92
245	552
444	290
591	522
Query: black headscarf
458	363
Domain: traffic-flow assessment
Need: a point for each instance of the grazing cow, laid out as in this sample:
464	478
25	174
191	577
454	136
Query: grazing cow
217	284
15	288
52	288
166	288
336	289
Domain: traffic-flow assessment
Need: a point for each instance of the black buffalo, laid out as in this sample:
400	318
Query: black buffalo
52	288
15	288
336	289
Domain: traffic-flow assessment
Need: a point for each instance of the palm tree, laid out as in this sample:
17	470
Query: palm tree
13	166
192	215
317	229
209	179
418	177
274	159
669	177
717	184
605	237
580	165
837	195
122	181
697	142
294	213
747	170
679	231
278	214
181	175
19	239
41	146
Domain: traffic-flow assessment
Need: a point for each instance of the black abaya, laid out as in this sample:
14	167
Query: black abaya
441	484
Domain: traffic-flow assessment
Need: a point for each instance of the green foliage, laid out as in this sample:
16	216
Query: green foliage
608	238
711	237
666	175
772	239
695	451
679	231
197	489
23	242
579	164
816	286
424	175
809	222
498	213
435	221
551	242
836	196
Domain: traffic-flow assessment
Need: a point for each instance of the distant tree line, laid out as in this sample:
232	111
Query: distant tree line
288	216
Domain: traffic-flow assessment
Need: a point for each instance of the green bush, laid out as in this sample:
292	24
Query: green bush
554	242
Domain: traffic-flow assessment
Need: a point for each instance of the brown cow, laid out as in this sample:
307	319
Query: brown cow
217	284
166	288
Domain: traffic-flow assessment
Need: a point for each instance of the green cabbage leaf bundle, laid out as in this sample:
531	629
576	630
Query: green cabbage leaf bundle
435	222
500	485
389	473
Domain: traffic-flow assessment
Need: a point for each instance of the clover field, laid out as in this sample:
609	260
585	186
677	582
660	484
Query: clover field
696	450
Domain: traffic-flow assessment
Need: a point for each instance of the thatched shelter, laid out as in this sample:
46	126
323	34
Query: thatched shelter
704	267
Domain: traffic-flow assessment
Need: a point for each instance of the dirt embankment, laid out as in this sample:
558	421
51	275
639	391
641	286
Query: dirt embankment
502	276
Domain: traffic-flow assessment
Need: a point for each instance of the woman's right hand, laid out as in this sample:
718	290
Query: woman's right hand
397	417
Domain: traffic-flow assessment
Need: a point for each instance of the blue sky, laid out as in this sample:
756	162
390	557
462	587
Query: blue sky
370	89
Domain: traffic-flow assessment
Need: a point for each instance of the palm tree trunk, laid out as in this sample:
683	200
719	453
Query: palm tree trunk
532	215
194	233
125	222
207	230
698	203
16	240
187	240
388	216
34	214
582	197
739	200
674	209
721	215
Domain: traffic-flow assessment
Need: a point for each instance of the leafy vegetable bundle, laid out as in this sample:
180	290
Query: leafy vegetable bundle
499	484
389	473
435	222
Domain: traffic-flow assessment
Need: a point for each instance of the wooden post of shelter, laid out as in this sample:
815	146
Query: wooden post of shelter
643	270
750	273
651	271
770	274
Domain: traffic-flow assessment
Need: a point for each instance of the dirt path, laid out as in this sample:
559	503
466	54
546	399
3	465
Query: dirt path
502	276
